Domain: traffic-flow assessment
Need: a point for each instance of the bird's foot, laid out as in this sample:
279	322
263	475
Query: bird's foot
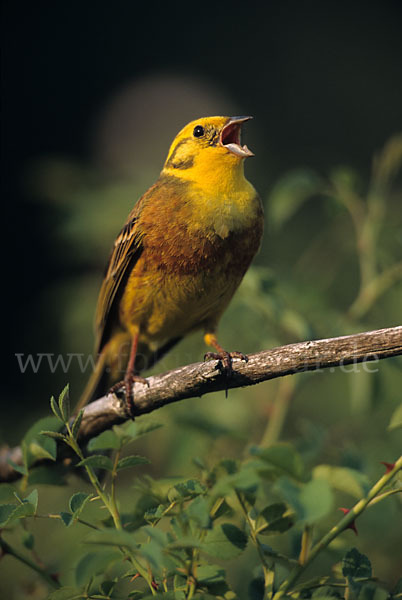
127	383
225	360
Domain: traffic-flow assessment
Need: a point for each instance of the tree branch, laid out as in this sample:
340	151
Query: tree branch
202	378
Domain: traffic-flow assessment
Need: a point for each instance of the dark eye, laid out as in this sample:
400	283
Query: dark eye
198	131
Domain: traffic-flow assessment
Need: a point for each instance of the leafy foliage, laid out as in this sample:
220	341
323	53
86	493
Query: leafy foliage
167	542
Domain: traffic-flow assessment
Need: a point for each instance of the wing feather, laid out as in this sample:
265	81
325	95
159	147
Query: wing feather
126	251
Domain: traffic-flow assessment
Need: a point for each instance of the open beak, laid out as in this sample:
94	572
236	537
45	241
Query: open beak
230	137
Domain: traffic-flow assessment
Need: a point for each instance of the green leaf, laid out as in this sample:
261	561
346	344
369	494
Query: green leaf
371	591
77	424
316	499
355	564
186	489
43	447
55	408
54	435
32	498
246	481
221	508
158	535
64	404
77	502
179	582
107	587
28	540
184	542
396	419
154	554
290	193
67	518
19	468
290	492
154	513
107	440
131	461
210	573
93	563
97	461
23	510
343	479
20	511
272	512
274	518
310	502
198	511
213	578
282	457
12	512
157	489
37	444
225	541
5	511
112	537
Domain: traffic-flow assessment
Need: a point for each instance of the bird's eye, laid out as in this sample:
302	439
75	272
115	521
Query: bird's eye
198	131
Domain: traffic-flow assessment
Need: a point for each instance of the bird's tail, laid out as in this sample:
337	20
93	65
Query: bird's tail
111	364
95	382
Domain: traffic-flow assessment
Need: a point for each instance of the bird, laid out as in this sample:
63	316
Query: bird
179	258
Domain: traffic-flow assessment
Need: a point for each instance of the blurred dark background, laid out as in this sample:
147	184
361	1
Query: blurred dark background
93	94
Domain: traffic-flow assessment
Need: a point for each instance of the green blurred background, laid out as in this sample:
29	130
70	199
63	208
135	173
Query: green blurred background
93	94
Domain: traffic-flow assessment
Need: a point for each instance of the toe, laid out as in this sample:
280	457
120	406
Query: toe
212	356
240	355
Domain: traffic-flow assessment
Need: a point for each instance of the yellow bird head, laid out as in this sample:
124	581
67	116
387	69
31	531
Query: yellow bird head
207	147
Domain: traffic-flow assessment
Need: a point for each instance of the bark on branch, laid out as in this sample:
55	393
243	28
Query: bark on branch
202	378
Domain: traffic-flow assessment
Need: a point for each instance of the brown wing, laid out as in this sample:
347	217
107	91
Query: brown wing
126	251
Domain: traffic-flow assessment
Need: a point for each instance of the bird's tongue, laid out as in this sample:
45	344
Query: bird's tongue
230	139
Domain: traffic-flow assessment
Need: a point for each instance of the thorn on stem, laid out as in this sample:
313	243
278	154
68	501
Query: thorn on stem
352	524
388	466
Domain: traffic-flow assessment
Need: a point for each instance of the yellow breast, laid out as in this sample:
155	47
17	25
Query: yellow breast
192	261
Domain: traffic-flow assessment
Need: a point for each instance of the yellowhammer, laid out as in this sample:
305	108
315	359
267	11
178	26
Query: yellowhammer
180	257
